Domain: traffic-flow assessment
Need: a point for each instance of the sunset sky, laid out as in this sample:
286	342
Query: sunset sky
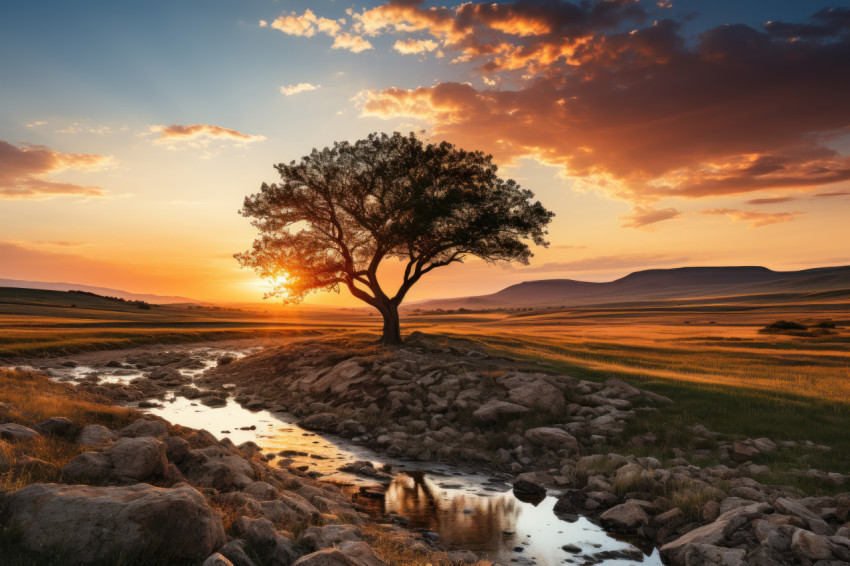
662	134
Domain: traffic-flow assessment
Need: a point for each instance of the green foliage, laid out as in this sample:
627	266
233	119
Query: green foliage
340	211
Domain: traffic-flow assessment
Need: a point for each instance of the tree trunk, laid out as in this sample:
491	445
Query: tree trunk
392	327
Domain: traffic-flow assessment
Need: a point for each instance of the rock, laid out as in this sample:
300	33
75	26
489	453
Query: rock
89	467
348	554
176	448
234	551
329	535
320	421
627	517
524	489
94	435
56	426
713	534
217	468
261	491
495	410
214	401
217	560
571	502
339	378
97	524
553	438
16	432
143	427
809	546
137	458
258	534
538	395
815	523
706	554
671	519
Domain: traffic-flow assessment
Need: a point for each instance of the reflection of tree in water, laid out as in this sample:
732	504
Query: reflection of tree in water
427	507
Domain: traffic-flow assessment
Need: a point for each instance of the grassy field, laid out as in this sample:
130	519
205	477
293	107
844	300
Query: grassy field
708	356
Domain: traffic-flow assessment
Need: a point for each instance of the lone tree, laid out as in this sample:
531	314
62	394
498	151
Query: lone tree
340	211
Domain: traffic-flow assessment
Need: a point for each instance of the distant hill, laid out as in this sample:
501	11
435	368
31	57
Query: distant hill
656	285
105	291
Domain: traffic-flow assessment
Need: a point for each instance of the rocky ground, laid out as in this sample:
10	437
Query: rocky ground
152	493
439	400
448	401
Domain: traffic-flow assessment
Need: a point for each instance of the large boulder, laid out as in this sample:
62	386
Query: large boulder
100	524
553	438
339	378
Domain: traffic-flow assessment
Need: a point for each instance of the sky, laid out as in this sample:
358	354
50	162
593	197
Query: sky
662	134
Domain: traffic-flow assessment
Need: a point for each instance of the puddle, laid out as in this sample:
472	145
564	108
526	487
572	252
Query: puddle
469	511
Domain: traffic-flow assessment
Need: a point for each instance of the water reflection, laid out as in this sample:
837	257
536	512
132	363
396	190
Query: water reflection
462	519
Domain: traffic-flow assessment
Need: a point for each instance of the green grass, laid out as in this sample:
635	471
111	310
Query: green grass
736	412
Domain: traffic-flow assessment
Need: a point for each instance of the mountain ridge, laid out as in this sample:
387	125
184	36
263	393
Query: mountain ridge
655	284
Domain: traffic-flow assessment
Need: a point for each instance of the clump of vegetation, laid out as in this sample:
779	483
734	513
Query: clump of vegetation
783	326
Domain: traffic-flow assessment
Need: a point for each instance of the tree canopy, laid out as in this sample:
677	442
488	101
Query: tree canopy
340	211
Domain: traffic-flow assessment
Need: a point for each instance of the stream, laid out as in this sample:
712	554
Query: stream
463	509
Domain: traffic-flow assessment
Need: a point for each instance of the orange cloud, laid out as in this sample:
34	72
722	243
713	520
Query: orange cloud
415	46
755	218
199	135
24	168
644	216
308	24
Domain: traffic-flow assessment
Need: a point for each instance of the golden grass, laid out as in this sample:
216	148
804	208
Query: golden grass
28	398
394	548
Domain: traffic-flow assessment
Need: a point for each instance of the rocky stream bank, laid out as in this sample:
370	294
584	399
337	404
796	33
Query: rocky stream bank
436	400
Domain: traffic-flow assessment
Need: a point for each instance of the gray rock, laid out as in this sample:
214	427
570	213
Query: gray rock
553	438
234	551
217	468
329	535
810	546
495	410
713	534
261	491
217	560
815	523
348	554
94	435
538	395
627	517
176	448
706	554
137	458
88	467
14	431
96	524
144	427
320	421
57	426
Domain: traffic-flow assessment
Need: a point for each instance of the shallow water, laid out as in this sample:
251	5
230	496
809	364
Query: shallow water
468	510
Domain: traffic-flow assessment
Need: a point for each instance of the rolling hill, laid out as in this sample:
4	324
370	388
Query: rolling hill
105	291
658	285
